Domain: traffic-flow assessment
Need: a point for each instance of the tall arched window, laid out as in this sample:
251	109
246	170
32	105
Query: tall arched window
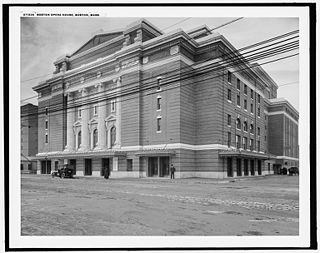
251	128
238	123
79	139
95	137
245	126
113	136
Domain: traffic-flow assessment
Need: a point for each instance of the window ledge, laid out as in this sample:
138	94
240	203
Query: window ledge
230	101
158	132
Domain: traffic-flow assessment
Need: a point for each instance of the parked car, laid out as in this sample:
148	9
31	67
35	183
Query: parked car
283	171
293	171
64	171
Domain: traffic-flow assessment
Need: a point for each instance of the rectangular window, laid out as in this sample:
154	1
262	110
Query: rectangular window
46	124
159	104
251	108
229	120
229	77
252	93
47	110
158	124
245	142
258	131
245	104
46	138
258	111
95	110
229	139
129	164
238	84
265	138
251	144
159	84
79	113
238	100
245	88
258	146
113	106
258	98
229	94
238	141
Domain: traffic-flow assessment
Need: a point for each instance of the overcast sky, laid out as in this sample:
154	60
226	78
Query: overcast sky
43	40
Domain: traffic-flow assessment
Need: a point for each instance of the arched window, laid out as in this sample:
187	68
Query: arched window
95	137
238	123
79	139
245	126
113	136
251	128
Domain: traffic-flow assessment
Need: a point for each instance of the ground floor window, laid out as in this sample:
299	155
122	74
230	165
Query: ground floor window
73	165
21	166
105	167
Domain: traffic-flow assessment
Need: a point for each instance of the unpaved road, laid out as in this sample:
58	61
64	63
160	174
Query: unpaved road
95	206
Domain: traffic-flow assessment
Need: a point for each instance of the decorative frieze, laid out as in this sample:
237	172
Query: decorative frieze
174	50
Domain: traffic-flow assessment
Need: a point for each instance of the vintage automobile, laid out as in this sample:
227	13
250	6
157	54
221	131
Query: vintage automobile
283	171
293	171
64	172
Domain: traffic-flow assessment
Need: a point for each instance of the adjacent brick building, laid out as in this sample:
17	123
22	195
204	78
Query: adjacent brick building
29	137
132	102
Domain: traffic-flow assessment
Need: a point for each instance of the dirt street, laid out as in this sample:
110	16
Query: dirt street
95	206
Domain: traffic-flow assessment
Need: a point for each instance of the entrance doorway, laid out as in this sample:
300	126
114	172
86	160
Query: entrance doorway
87	167
46	167
246	167
105	167
73	165
259	167
239	172
229	167
158	166
252	167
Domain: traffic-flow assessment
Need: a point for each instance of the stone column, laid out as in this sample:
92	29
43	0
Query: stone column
84	122
70	120
102	112
118	114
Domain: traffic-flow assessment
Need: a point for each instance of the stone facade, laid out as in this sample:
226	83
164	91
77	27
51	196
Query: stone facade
131	103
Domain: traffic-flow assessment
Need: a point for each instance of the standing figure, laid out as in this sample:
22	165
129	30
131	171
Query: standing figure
106	172
172	170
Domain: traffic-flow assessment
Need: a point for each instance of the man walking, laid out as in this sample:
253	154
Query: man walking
172	170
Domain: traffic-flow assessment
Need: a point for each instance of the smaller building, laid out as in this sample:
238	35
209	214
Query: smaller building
283	125
29	138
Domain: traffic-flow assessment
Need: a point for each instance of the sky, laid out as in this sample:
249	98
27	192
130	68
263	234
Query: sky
43	40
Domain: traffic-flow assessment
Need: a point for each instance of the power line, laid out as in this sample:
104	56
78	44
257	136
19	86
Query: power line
155	92
229	53
210	66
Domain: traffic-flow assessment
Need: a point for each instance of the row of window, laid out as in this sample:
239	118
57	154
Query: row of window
245	103
245	125
245	87
244	143
95	109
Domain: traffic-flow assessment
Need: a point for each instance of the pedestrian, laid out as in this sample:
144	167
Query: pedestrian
172	170
106	173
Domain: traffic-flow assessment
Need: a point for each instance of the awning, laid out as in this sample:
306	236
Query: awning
155	152
245	154
77	154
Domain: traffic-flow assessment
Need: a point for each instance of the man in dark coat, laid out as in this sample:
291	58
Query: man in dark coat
172	170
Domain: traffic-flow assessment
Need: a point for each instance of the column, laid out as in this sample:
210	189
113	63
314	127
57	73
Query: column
84	122
118	114
115	162
70	120
102	112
